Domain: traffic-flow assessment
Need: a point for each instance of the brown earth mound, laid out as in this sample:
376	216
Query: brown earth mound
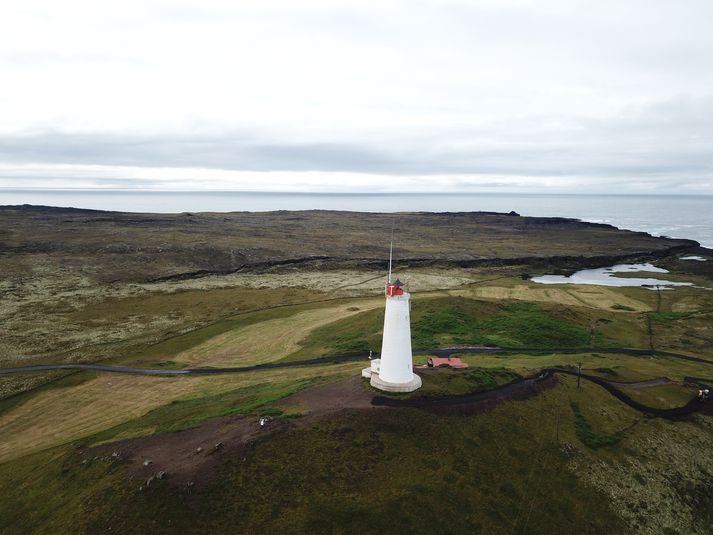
192	457
189	459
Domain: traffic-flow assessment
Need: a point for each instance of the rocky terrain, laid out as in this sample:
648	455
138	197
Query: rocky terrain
132	247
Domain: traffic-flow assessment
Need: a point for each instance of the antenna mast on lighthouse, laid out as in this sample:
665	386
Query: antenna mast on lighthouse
391	248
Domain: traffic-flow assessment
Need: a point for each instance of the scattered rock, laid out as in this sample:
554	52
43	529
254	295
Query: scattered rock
218	446
148	462
569	449
199	449
264	421
161	475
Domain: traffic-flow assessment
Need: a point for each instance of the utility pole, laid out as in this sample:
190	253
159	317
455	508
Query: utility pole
651	323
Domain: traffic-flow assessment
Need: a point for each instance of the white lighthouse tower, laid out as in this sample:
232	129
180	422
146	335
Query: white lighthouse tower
393	372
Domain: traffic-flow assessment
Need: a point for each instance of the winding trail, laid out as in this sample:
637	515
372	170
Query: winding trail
187	371
502	392
522	385
439	352
694	405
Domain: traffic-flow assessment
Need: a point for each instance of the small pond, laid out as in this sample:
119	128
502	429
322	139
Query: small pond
607	277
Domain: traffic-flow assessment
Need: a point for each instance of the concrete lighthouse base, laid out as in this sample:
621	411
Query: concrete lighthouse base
372	373
386	386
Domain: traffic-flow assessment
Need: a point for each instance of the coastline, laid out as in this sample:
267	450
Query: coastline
156	247
680	216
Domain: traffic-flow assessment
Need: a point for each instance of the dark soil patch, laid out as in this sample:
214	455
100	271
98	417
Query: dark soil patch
177	454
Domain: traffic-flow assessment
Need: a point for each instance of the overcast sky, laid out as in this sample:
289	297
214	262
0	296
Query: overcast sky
497	95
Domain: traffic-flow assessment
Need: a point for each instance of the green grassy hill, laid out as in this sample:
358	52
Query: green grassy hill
524	467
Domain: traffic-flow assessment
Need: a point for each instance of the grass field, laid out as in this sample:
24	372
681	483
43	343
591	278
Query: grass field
269	340
351	325
565	457
60	415
599	297
451	320
503	471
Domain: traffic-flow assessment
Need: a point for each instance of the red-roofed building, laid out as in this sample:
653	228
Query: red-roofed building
438	362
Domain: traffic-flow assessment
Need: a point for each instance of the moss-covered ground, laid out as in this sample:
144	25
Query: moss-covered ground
525	467
566	459
387	472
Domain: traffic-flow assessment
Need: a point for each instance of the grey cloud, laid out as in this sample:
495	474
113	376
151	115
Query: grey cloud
601	150
90	181
671	141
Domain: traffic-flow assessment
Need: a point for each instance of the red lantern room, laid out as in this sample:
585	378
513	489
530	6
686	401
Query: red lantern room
395	288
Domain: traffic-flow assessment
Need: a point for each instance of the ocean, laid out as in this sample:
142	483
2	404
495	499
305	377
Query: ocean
678	216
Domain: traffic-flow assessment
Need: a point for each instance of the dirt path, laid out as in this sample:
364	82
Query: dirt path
518	389
439	352
694	405
528	385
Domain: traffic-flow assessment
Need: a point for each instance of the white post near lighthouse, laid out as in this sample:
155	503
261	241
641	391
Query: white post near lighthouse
393	371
